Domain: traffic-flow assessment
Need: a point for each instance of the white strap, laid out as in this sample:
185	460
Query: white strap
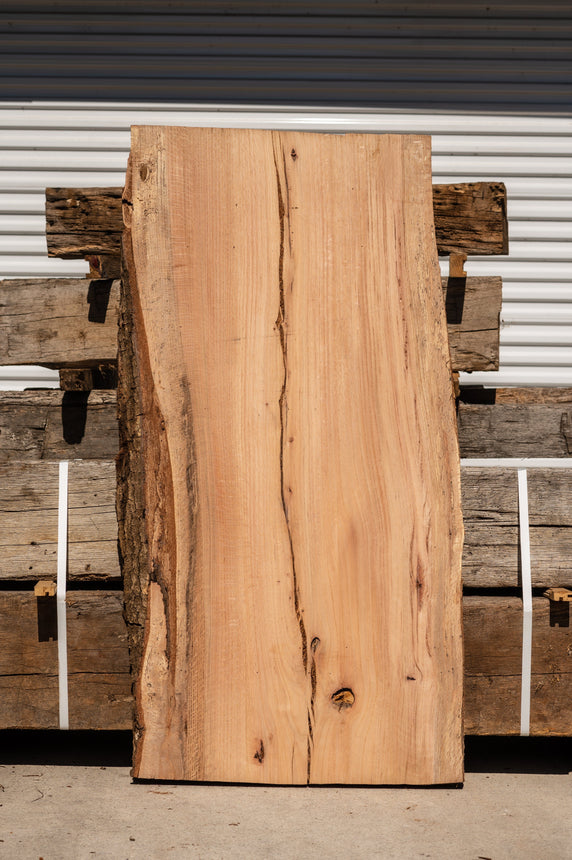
526	601
519	462
61	594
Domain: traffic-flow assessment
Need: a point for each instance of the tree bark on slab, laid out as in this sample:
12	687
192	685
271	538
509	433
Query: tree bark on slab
515	430
56	425
469	217
259	374
58	322
29	521
98	662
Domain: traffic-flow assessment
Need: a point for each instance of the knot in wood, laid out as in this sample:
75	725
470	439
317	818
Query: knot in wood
343	698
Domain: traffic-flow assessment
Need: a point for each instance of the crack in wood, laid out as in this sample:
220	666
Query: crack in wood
283	409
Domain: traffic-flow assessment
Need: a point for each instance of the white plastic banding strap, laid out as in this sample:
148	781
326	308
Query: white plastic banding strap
526	601
61	594
523	464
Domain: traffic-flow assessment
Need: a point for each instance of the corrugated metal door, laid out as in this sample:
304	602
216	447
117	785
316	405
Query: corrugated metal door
490	82
510	55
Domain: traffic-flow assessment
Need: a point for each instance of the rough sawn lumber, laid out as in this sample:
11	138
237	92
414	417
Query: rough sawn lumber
71	322
470	217
268	485
100	683
58	322
29	520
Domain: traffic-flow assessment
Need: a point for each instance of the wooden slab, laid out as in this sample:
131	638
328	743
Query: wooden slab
470	217
29	521
301	466
78	336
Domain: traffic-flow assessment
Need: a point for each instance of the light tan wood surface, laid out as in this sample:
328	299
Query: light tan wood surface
301	470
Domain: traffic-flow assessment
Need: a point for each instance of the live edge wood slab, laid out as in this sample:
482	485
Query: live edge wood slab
300	558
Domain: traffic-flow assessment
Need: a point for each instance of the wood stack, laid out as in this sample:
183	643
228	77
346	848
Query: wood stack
71	324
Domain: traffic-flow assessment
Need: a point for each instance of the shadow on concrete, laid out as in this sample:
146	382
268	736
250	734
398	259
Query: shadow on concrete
113	749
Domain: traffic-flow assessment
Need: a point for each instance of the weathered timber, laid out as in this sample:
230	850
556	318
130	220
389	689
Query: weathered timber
29	521
72	323
56	425
255	476
515	430
490	511
471	217
98	661
31	425
533	395
58	322
493	664
99	664
473	319
82	222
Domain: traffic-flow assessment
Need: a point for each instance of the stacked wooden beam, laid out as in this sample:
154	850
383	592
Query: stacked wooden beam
71	324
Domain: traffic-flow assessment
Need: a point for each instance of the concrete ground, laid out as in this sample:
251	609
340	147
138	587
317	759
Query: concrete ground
72	797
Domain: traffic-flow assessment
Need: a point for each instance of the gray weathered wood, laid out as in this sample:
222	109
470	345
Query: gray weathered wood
473	318
519	430
98	662
56	425
100	682
29	521
490	512
469	217
59	322
68	322
493	661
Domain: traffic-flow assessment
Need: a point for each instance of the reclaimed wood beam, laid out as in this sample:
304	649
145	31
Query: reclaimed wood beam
29	521
58	322
470	217
100	682
72	322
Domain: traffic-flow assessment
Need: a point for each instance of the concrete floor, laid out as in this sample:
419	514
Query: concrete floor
516	803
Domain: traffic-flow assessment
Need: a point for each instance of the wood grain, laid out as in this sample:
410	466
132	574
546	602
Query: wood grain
29	521
490	511
58	322
304	625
